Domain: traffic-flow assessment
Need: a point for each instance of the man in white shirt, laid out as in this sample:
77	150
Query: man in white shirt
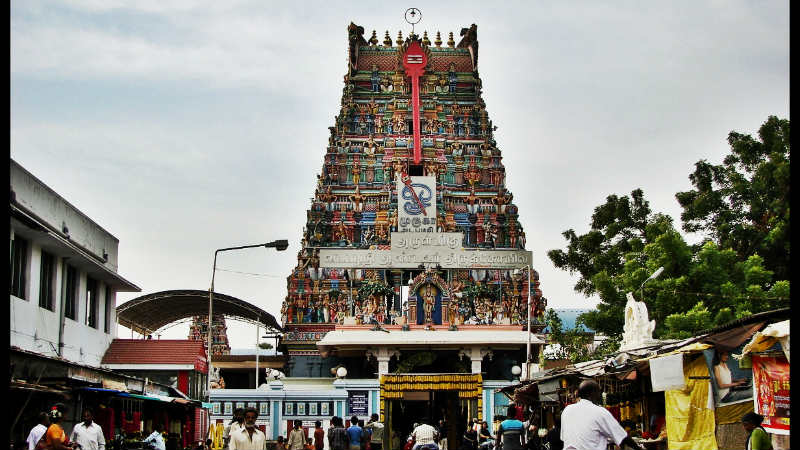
87	434
587	426
155	440
38	431
249	437
425	435
236	424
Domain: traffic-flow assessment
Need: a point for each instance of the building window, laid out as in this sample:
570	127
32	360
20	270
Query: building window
109	309
91	302
47	281
70	291
19	263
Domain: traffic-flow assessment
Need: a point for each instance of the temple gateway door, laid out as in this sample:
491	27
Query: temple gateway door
410	398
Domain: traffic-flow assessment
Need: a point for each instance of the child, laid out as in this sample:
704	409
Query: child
309	444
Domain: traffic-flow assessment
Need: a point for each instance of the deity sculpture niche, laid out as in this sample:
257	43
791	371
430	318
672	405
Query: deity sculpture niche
428	295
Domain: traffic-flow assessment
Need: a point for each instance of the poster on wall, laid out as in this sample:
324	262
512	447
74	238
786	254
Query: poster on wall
323	409
228	408
771	392
301	409
263	409
729	383
312	409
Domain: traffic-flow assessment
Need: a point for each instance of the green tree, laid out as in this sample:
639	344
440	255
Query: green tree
743	203
742	206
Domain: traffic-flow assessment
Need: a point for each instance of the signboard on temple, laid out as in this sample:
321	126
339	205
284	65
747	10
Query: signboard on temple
416	204
357	403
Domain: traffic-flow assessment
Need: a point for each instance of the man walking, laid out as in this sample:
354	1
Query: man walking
319	436
87	434
38	431
236	423
376	433
587	426
249	437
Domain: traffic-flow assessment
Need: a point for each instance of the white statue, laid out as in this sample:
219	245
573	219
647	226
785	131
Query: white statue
638	330
273	374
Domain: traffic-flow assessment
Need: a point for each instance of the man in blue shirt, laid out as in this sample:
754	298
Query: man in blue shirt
354	434
511	431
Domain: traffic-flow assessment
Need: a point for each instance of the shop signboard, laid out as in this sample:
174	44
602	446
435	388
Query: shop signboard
357	403
771	393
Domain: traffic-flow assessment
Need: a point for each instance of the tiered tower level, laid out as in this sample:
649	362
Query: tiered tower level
386	213
198	331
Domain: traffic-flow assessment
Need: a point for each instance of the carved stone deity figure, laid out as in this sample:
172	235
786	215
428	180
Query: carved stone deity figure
638	330
386	84
357	198
503	198
326	306
452	312
375	79
333	308
399	124
429	301
340	232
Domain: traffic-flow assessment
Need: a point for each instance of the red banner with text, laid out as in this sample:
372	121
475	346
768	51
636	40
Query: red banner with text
771	396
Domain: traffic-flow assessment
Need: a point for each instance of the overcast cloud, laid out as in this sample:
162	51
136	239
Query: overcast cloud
182	127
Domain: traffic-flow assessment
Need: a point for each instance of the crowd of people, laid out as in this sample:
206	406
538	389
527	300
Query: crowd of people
583	425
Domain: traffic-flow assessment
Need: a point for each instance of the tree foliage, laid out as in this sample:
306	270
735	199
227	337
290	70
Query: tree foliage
741	205
575	345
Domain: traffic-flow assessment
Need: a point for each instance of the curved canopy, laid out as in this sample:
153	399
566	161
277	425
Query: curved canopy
150	312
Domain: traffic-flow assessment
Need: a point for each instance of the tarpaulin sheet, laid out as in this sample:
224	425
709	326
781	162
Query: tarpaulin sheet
690	422
763	340
732	413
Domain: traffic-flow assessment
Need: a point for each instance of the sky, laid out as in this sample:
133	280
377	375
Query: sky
182	127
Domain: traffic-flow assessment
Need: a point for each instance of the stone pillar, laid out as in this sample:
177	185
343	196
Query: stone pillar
383	355
475	355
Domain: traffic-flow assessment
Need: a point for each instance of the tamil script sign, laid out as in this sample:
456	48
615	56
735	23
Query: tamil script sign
411	259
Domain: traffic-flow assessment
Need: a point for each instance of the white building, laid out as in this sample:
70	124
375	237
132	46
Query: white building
64	276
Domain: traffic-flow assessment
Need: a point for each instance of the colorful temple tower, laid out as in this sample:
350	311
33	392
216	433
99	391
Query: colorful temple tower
413	289
198	331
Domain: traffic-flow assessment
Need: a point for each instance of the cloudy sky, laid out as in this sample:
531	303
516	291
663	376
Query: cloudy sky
182	127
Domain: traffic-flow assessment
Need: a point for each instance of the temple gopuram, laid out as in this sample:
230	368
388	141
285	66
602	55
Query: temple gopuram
413	289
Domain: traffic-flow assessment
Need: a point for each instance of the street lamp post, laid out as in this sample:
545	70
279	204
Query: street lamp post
651	277
281	244
528	351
